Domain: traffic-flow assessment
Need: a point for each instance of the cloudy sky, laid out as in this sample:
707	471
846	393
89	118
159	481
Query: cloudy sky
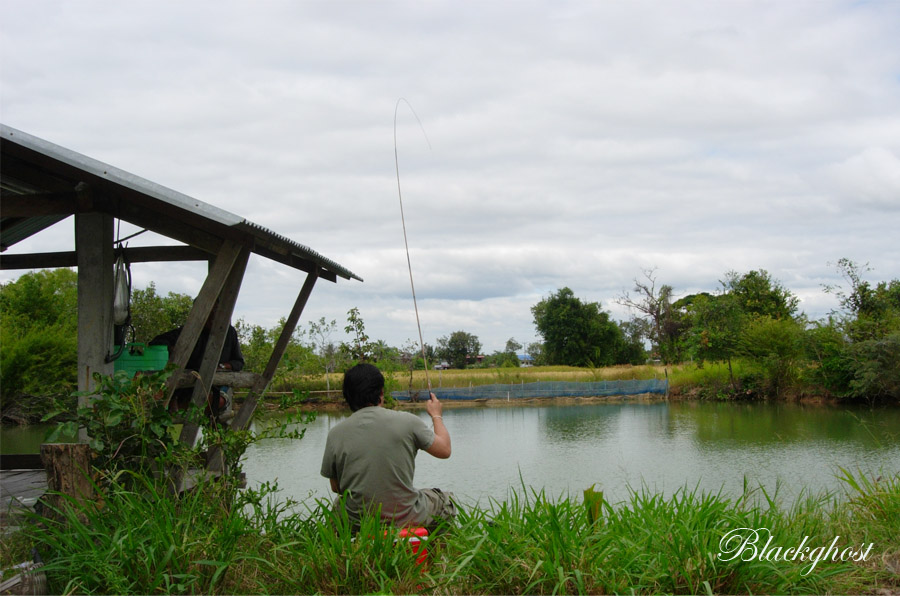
564	144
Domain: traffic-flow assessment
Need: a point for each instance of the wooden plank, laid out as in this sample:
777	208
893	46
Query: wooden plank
241	380
245	414
19	491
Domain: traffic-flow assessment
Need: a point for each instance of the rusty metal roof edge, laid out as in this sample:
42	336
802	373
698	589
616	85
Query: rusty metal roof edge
303	251
162	193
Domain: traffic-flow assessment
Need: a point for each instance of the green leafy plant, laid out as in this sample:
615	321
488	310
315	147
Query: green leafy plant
127	424
129	428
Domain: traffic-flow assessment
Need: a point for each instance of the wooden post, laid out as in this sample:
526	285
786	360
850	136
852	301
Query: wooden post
94	249
68	467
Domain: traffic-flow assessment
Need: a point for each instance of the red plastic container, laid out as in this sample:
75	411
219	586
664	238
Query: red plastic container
417	537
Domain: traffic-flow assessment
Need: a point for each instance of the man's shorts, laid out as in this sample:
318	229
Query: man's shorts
440	506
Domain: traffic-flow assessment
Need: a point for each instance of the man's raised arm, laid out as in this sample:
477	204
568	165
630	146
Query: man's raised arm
440	448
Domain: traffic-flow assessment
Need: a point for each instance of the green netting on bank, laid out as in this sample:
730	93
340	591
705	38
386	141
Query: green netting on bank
542	389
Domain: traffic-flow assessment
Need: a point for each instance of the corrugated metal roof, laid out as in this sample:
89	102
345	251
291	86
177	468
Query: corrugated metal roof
33	165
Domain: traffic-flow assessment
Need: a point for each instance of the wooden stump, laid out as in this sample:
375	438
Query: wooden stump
68	467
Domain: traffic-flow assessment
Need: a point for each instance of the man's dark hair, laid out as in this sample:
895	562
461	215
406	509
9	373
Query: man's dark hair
362	386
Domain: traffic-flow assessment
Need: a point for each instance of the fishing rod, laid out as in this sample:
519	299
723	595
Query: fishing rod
405	240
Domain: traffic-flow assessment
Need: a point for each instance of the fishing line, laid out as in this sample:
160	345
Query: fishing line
403	222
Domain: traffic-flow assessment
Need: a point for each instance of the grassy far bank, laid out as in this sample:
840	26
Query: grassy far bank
143	541
684	379
713	380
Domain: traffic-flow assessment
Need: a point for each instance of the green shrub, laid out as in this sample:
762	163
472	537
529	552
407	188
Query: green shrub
42	360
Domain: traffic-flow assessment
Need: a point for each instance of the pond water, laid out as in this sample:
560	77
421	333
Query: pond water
618	446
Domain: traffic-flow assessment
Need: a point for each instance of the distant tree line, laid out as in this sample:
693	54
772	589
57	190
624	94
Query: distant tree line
750	318
853	353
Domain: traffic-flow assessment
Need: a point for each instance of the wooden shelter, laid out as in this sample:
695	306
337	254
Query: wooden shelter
43	184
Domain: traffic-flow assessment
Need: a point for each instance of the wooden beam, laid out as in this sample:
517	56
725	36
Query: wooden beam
39	260
168	221
209	292
294	261
36	204
220	323
245	414
141	254
163	254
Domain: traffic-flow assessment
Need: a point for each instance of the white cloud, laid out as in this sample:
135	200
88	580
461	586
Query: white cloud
870	179
572	143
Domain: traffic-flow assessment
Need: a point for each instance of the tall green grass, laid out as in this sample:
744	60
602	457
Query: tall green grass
142	540
648	544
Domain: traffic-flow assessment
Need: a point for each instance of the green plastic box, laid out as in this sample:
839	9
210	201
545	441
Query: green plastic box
138	357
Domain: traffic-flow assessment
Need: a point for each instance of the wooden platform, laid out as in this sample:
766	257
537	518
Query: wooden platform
19	491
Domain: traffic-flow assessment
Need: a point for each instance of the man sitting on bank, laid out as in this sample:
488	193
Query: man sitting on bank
370	456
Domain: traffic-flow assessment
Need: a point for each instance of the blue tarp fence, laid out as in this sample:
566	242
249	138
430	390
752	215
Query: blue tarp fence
541	389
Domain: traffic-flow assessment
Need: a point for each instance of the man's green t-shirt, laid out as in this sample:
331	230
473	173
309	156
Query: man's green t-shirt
372	454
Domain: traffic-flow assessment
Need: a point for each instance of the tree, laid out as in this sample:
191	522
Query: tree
536	350
257	344
575	333
655	305
512	346
320	333
39	335
46	297
632	347
152	314
757	294
715	330
775	346
508	358
869	312
359	348
858	350
459	348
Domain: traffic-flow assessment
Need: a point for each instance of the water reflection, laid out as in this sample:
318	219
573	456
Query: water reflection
580	422
760	423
